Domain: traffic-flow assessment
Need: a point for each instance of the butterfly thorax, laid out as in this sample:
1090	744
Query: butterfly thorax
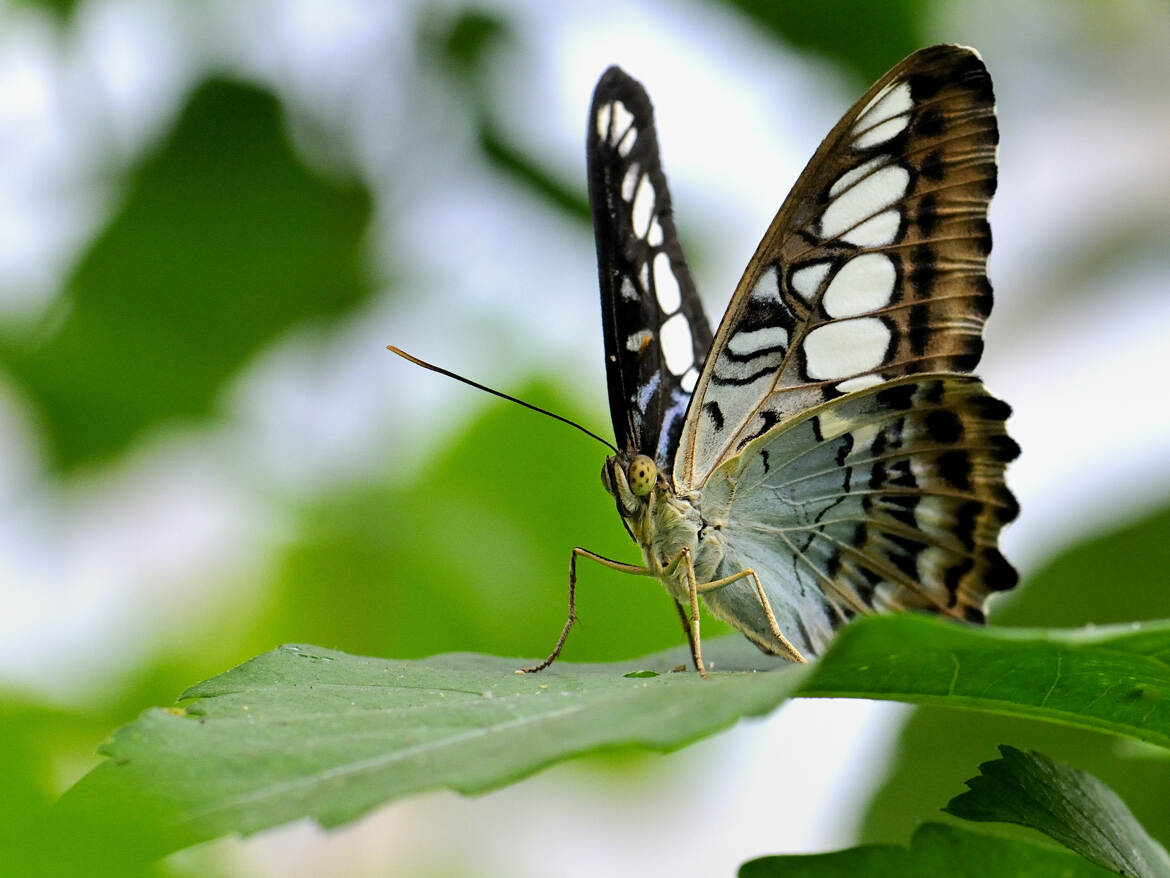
662	522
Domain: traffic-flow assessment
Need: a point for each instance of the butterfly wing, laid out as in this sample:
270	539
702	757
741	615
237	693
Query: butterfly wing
873	268
891	498
656	335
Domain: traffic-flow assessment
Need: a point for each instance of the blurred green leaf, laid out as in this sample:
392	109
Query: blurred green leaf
224	241
935	850
862	37
37	839
1070	806
305	731
1110	578
471	552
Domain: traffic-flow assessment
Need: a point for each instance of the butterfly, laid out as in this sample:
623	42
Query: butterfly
826	453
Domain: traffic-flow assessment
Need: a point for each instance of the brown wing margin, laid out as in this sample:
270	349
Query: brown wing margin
874	267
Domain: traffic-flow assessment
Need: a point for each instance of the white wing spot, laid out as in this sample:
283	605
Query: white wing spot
677	348
859	383
690	379
767	287
871	195
638	340
854	174
876	231
881	133
646	392
628	291
743	344
623	118
877	97
864	283
630	180
807	280
665	285
643	207
846	347
604	116
654	237
627	142
885	118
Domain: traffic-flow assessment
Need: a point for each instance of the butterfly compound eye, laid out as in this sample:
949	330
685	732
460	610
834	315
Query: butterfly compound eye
642	475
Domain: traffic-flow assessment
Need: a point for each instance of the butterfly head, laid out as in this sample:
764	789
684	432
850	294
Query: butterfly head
631	479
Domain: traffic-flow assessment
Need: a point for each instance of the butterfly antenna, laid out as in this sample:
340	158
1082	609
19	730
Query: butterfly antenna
479	386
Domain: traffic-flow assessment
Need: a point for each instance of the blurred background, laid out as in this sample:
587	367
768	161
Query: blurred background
215	215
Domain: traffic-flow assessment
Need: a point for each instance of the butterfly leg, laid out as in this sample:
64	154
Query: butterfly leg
793	652
684	558
605	562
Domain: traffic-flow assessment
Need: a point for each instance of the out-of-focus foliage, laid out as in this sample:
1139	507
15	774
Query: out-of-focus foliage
1078	587
934	850
463	45
224	241
1070	806
472	552
862	37
36	837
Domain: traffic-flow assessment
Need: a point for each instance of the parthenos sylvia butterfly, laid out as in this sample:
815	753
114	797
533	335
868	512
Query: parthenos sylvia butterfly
828	453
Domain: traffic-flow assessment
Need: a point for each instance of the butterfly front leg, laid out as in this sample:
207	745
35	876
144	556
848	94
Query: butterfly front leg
605	562
697	589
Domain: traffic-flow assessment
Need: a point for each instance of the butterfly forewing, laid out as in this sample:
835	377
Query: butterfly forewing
873	268
656	335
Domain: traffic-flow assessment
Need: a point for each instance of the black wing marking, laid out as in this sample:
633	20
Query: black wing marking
656	335
874	267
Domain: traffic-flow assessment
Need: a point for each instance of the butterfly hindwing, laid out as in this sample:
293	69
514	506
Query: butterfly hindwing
656	335
889	499
873	268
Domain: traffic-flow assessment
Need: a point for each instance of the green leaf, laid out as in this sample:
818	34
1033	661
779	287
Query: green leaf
1068	805
1112	679
1080	585
225	240
304	731
935	850
862	37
